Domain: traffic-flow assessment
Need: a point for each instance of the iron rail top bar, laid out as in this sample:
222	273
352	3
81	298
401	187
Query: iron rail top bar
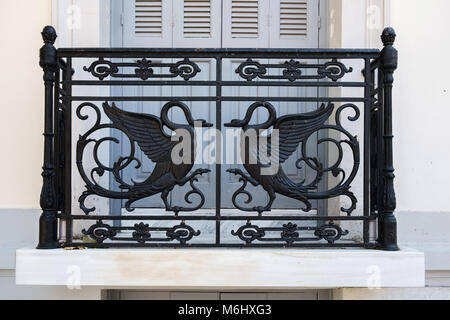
213	52
213	83
224	218
212	98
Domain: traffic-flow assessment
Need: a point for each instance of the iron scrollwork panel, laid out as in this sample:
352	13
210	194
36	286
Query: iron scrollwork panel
293	130
147	132
141	233
292	70
143	69
289	233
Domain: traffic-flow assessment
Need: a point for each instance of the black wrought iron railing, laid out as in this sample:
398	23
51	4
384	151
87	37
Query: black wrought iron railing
244	223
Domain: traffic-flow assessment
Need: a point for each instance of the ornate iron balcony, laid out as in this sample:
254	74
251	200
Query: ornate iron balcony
286	134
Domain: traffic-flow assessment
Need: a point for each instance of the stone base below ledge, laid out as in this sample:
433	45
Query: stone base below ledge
230	269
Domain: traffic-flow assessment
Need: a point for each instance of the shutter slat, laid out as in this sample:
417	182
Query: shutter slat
293	19
148	18
197	18
245	19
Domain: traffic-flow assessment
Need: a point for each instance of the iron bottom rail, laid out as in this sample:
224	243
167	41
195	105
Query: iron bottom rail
213	245
251	231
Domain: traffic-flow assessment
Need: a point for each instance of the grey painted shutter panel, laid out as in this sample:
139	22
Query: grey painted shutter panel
147	23
294	23
197	23
216	23
245	24
155	24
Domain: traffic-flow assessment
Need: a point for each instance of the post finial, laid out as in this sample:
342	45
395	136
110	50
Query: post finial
49	34
388	36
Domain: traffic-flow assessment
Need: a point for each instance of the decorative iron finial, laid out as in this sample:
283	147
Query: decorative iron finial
388	36
49	34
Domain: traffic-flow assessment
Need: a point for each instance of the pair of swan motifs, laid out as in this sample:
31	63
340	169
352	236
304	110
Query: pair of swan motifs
147	131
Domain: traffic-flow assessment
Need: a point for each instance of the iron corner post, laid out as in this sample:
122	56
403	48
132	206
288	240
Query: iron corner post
387	221
48	222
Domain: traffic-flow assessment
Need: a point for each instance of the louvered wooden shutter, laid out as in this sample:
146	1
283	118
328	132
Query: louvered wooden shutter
197	23
245	23
147	23
294	23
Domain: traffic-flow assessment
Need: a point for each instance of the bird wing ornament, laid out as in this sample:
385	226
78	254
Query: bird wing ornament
293	129
145	129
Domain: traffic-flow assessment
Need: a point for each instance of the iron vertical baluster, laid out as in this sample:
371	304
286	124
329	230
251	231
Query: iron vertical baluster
388	222
367	145
67	88
374	147
219	62
58	130
373	144
48	227
58	120
380	147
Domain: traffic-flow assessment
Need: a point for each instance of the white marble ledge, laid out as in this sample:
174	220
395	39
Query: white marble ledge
233	269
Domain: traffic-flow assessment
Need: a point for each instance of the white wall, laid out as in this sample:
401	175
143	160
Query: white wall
392	294
10	291
422	105
21	127
421	110
21	124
